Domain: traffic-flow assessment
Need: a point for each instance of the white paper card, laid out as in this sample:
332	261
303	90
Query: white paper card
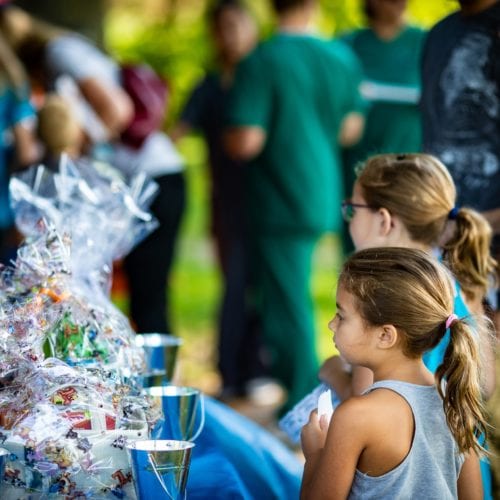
325	406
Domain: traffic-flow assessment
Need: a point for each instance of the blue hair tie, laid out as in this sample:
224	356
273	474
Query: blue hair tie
452	215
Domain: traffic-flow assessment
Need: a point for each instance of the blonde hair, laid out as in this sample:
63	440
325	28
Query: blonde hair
58	127
420	191
408	289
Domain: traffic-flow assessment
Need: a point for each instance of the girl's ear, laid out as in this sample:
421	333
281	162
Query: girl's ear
386	221
387	336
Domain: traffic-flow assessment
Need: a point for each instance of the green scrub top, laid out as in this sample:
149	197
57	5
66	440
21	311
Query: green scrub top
391	85
297	88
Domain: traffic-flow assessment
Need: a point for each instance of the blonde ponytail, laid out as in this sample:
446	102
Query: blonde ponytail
419	190
467	253
458	381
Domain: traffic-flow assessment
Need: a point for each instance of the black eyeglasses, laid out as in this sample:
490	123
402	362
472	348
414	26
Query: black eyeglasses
349	209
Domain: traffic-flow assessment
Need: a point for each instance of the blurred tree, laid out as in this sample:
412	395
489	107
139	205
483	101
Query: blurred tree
84	16
172	37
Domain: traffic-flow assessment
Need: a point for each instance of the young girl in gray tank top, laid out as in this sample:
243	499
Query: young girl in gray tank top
410	435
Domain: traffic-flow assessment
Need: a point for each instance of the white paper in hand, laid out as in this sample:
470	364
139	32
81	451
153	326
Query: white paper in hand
325	406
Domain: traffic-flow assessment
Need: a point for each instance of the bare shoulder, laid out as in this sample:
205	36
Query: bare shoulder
372	410
355	412
386	399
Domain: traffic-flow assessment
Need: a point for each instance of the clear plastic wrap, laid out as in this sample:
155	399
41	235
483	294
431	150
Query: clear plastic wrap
69	365
66	431
91	203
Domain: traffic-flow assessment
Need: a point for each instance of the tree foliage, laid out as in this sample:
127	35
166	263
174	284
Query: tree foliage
171	35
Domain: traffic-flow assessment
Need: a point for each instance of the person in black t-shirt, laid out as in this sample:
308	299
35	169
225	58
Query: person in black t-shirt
461	104
461	113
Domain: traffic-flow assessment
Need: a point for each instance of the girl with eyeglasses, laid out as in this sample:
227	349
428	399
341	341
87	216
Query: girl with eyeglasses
409	201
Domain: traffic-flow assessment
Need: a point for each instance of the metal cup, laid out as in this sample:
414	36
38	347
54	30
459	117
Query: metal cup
161	356
160	468
181	407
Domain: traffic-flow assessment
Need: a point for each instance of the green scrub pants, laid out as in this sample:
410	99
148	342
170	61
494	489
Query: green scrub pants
282	272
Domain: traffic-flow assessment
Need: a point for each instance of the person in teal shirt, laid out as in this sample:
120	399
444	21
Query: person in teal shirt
389	51
409	200
17	139
293	99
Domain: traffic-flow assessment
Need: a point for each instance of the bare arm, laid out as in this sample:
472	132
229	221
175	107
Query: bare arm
244	143
488	345
330	467
469	484
344	382
25	143
111	103
351	129
493	217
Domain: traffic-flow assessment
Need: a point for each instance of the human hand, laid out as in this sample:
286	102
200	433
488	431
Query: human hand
336	373
313	435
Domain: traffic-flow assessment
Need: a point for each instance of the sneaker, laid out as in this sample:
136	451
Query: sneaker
265	391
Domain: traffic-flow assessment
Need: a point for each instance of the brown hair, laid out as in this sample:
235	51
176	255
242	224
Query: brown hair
219	6
420	191
281	6
408	289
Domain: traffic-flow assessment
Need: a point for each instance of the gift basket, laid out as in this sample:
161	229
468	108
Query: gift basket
66	430
69	366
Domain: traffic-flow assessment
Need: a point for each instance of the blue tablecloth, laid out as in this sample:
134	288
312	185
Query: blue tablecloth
234	458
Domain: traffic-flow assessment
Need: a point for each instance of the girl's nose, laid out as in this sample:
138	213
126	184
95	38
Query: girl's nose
331	325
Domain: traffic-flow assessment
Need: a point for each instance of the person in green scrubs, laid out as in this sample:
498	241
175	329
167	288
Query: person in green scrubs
390	52
294	99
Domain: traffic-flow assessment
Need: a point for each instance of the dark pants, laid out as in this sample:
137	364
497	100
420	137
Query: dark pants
239	345
9	243
148	265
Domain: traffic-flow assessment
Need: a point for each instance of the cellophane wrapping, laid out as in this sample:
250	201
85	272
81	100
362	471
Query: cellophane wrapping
70	399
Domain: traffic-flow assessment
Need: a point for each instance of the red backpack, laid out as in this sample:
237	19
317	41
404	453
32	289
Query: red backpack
149	94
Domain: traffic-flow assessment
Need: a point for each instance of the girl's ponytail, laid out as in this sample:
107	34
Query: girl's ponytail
458	380
467	253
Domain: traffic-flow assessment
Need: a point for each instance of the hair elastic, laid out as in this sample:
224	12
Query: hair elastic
450	320
453	213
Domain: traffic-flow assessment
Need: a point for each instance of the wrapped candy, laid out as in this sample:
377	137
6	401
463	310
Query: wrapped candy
67	431
45	312
69	365
77	220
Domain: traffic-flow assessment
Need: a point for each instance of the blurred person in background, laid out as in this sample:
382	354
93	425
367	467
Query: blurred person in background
17	139
461	123
294	101
72	66
390	51
234	34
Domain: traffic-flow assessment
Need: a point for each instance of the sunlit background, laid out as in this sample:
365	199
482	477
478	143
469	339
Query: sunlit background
171	36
